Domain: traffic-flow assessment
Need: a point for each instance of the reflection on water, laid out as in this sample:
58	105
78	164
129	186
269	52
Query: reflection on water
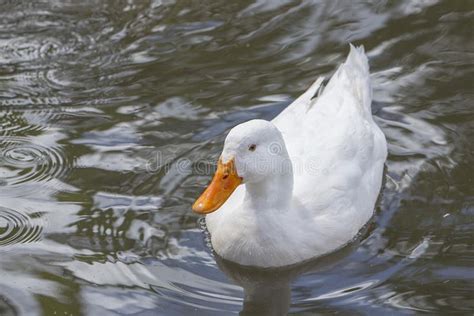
103	104
268	291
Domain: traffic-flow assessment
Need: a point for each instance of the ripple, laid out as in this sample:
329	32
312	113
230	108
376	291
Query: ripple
24	123
22	161
38	87
19	228
28	48
345	291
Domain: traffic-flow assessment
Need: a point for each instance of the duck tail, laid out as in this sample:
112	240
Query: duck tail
356	71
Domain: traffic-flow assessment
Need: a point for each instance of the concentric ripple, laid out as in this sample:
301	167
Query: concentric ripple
22	161
19	228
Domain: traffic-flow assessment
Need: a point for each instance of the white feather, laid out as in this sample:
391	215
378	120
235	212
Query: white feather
337	154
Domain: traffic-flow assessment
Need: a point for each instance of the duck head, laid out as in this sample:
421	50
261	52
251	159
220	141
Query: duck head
254	154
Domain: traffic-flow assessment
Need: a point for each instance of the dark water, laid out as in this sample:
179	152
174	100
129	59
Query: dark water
111	112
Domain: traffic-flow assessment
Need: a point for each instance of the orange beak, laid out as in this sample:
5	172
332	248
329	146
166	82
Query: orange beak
225	181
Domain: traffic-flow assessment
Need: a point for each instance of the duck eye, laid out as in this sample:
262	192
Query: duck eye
252	147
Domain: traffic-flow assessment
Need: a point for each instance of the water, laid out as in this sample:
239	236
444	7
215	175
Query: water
113	112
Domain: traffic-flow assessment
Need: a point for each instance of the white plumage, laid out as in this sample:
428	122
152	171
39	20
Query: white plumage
332	155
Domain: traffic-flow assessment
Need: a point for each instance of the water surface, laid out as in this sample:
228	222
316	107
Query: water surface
112	113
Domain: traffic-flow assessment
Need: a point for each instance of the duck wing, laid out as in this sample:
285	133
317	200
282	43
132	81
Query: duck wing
337	150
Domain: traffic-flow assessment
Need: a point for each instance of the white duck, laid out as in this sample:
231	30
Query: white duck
310	177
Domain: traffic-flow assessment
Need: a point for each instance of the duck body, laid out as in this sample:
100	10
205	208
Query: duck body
324	157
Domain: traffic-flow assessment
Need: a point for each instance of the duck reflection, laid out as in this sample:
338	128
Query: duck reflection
268	291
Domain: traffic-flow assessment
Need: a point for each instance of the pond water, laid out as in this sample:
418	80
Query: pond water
112	114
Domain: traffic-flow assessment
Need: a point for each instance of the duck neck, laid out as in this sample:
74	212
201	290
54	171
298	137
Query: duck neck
274	192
